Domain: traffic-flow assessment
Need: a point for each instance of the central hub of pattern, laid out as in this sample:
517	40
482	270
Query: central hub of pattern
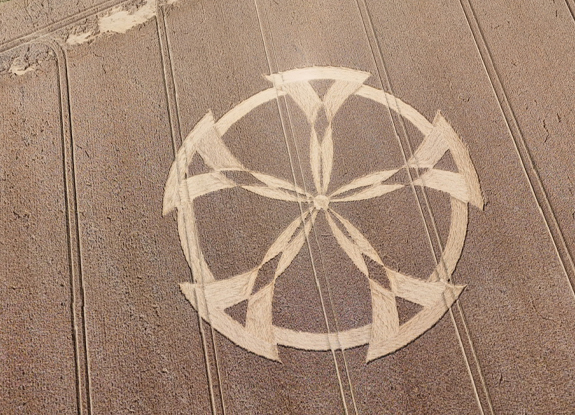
321	202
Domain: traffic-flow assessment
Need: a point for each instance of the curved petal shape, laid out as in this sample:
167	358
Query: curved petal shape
348	246
370	192
369	180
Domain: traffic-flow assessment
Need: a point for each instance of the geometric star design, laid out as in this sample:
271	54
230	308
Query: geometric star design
385	334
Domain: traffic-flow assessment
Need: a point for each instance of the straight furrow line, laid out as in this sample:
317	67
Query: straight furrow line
528	166
481	394
78	303
571	6
173	116
60	24
287	125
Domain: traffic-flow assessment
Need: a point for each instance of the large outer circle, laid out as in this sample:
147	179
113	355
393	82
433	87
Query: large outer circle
445	266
